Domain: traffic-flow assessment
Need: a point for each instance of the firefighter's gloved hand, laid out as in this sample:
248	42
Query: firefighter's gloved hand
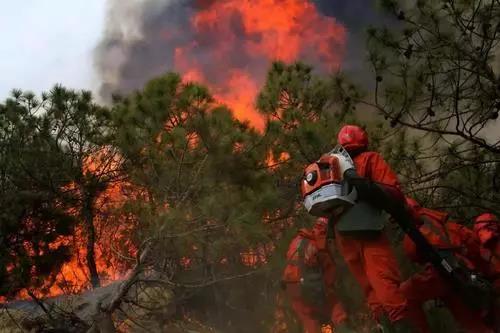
367	190
376	195
362	184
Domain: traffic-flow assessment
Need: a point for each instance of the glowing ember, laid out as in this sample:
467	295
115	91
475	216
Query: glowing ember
274	163
235	40
256	257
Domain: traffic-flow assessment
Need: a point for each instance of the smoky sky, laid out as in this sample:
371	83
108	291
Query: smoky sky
125	63
356	16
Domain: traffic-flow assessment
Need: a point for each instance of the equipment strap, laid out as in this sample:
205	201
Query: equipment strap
300	251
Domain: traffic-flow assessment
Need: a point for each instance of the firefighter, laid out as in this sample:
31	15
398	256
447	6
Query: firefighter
487	230
368	253
309	280
429	284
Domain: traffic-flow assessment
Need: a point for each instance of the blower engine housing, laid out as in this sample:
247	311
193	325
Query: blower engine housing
323	186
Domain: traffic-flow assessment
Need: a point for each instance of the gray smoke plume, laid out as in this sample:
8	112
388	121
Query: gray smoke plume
356	16
135	47
141	37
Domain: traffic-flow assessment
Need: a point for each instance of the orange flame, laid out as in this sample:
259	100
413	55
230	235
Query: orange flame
257	32
74	277
233	43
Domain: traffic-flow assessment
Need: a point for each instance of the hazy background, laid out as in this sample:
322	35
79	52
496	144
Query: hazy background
47	41
44	42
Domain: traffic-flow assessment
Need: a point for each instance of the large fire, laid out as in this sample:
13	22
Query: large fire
235	41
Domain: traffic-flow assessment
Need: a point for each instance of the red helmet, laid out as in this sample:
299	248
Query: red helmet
486	217
486	228
352	137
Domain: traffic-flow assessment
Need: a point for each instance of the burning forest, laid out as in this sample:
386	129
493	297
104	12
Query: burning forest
182	195
226	45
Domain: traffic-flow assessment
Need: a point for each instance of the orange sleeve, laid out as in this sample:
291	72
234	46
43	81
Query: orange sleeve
380	172
468	239
473	248
291	272
435	215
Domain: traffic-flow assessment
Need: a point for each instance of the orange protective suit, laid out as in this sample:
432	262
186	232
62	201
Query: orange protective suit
444	234
487	230
430	284
316	254
372	260
492	257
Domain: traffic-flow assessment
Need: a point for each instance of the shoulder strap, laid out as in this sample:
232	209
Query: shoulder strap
330	228
302	257
300	250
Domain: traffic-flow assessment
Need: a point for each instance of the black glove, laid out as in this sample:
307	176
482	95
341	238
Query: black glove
376	195
367	190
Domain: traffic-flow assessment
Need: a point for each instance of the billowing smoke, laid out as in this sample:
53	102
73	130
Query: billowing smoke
226	44
356	16
137	43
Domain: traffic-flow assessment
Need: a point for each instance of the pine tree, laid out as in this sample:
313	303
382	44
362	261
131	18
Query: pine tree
437	78
57	161
82	132
203	193
33	211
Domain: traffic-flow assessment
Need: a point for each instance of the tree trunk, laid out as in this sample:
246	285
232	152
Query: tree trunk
88	216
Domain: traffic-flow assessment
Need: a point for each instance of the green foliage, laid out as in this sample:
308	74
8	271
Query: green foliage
83	134
302	122
437	80
33	214
56	160
204	193
202	174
